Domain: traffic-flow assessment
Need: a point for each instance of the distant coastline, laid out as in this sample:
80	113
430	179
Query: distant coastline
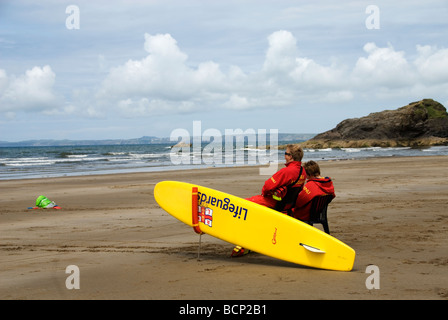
293	137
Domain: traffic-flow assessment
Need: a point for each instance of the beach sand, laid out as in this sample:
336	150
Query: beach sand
392	211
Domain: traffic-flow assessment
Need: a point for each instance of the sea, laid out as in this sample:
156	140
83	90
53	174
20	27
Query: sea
58	161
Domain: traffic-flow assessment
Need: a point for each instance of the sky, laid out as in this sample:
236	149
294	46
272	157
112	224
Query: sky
125	69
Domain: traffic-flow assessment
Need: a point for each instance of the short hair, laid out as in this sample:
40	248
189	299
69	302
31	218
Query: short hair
312	168
296	151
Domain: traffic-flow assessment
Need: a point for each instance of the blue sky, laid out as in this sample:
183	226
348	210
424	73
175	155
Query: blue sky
138	68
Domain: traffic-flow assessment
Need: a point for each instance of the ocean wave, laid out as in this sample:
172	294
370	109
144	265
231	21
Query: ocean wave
17	162
115	153
145	155
66	154
318	150
436	149
351	149
20	163
77	156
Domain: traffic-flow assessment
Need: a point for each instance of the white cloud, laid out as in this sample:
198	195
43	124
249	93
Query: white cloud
237	102
383	67
164	81
386	73
3	80
340	96
32	91
282	53
432	64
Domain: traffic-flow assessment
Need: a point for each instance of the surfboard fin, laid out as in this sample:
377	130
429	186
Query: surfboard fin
312	249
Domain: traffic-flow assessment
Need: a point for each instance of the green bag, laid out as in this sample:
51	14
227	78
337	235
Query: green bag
44	202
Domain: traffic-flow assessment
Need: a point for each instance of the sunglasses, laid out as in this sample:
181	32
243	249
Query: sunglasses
287	154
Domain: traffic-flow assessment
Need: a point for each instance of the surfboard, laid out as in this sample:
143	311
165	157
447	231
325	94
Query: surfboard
253	226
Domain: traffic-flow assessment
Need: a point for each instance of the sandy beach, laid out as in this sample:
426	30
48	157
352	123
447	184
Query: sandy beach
392	211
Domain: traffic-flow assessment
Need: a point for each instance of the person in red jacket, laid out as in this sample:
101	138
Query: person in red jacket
276	187
315	186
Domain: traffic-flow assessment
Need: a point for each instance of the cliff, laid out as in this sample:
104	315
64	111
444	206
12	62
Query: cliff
421	123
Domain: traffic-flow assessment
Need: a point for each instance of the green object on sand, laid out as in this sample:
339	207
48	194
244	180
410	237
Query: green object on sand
44	202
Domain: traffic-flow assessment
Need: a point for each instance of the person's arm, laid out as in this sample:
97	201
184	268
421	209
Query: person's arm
278	180
305	196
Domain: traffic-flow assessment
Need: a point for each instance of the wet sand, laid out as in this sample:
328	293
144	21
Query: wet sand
392	211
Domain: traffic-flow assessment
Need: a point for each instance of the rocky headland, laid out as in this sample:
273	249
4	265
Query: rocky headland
421	123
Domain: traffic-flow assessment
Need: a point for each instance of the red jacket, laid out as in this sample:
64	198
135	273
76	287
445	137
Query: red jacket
277	184
314	187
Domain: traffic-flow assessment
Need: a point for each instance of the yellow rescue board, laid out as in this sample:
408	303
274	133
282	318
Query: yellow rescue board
255	227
